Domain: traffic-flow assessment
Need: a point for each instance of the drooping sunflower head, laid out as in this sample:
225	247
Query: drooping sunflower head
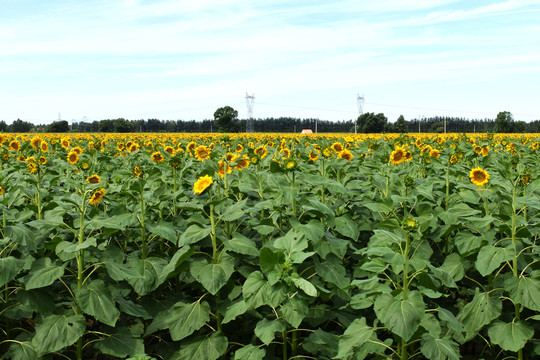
170	150
157	157
32	167
35	142
479	177
97	196
202	184
191	146
73	157
93	179
137	172
453	159
345	154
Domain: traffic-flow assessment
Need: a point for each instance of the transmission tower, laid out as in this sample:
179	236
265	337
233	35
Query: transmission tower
360	101
249	102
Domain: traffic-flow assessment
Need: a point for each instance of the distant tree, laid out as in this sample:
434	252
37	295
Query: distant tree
225	119
106	126
371	123
120	125
20	126
60	126
504	122
3	126
401	125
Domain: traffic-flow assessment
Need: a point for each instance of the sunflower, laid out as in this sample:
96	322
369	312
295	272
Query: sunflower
44	146
337	147
170	150
286	153
73	157
478	149
21	158
313	156
137	172
65	142
85	165
485	150
261	151
94	179
239	148
327	152
1	190
97	196
202	184
408	156
15	145
230	157
397	156
479	177
191	146
435	153
133	147
120	146
345	154
32	167
5	156
42	160
242	163
453	159
221	170
77	149
290	164
36	141
202	152
157	157
535	145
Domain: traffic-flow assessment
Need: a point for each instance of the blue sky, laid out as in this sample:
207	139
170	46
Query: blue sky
181	59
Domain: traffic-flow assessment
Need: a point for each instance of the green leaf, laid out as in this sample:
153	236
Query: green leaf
95	299
444	277
431	324
490	258
194	234
130	308
43	273
356	335
266	329
313	230
165	230
322	342
182	319
332	271
450	319
179	257
121	343
119	271
468	243
257	291
208	348
402	317
57	332
305	285
22	350
250	352
439	349
292	242
241	245
479	312
9	268
270	262
234	212
524	291
453	265
213	276
294	311
346	226
510	336
233	311
148	270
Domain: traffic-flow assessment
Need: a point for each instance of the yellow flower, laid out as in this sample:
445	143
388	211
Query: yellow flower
313	156
137	172
202	152
97	196
1	190
221	170
170	150
65	142
44	146
397	156
202	184
15	145
242	163
191	146
239	148
337	147
453	159
434	153
157	157
36	143
73	157
478	149
32	167
133	147
85	165
345	154
42	160
485	150
479	177
261	151
94	179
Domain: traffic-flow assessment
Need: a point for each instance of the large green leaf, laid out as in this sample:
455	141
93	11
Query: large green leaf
510	336
96	299
479	312
121	343
165	230
22	349
235	211
313	230
209	347
9	268
56	332
241	245
43	273
304	284
182	319
250	352
524	291
257	291
346	226
453	265
292	242
402	317
294	311
233	311
149	271
439	349
266	329
356	335
213	276
179	257
332	271
322	342
490	258
193	234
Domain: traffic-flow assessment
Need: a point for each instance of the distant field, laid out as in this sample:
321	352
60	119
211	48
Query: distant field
270	246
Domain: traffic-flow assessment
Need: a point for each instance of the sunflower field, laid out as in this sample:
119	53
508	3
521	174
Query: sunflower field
265	246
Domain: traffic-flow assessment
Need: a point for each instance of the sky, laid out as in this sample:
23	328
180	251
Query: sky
177	59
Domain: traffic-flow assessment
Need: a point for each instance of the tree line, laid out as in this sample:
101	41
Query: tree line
226	120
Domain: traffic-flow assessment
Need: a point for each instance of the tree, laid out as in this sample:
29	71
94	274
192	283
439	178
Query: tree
371	123
401	125
122	126
504	122
225	118
20	126
61	126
